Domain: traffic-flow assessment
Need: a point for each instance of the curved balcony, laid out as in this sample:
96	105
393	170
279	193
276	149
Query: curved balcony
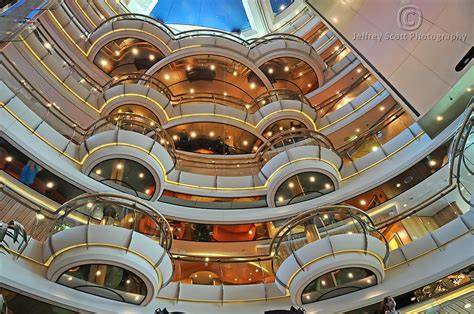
463	166
300	164
245	101
132	131
259	50
314	246
111	246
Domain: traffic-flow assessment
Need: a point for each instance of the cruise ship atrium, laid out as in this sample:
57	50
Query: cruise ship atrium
236	156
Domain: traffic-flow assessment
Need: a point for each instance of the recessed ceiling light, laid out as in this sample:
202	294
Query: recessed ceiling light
398	185
235	73
212	67
211	134
286	69
359	70
191	90
193	134
282	7
141	175
270	71
374	148
104	62
381	108
363	202
432	163
166	76
50	185
280	199
469	89
151	57
245	143
9	159
89	204
119	166
467	306
312	179
188	68
47	45
135	51
350	275
39	216
291	185
253	85
117	53
439	118
327	186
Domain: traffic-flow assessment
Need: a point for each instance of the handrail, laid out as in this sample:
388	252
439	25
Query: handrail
392	114
129	122
135	205
457	148
293	136
249	43
177	100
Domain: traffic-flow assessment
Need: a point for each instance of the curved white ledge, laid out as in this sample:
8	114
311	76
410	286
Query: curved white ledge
355	108
298	160
117	144
172	115
328	254
101	244
180	47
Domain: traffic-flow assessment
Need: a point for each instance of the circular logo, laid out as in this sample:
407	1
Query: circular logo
409	17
